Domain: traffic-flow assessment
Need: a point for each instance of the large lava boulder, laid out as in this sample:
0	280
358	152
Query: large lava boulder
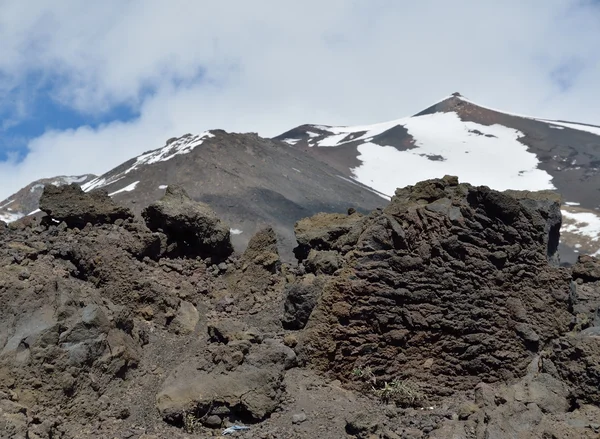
449	285
69	203
192	227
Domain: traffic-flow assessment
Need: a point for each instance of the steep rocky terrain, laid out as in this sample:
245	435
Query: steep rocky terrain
442	315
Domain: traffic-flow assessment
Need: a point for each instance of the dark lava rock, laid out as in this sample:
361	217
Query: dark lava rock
577	360
587	269
192	228
300	300
262	250
547	205
69	203
448	275
585	292
327	231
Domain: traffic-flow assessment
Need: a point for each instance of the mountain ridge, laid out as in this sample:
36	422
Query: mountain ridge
453	136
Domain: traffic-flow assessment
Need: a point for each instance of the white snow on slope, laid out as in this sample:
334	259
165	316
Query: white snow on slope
236	231
498	160
7	203
183	145
127	188
583	223
10	217
65	180
574	126
554	124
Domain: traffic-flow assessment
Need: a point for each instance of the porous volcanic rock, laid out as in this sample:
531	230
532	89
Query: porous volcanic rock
192	227
576	359
69	203
327	231
585	292
449	285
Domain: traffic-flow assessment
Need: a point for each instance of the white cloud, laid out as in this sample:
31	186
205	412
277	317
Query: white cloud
268	65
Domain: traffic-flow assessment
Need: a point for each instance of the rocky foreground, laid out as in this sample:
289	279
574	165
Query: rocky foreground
444	315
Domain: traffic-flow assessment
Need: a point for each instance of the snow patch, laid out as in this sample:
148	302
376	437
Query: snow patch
235	231
572	203
583	223
183	145
163	186
292	141
499	161
370	189
7	203
35	187
127	188
10	217
95	184
575	126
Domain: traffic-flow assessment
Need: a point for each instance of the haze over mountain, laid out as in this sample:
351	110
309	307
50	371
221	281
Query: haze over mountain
250	180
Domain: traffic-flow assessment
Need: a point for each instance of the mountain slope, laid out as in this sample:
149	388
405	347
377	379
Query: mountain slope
481	145
248	180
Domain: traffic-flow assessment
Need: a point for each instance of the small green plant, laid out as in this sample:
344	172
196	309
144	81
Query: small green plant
365	373
405	393
191	423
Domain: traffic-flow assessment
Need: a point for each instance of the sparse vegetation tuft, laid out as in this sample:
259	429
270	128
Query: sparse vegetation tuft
405	393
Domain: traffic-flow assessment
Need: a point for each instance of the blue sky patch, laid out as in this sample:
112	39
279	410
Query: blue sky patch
40	113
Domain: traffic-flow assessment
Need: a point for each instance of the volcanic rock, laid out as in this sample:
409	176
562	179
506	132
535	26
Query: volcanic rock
449	275
76	208
576	358
192	227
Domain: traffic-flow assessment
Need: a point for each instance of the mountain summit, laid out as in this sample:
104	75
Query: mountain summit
482	145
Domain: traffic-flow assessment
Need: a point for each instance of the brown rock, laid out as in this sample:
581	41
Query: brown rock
76	208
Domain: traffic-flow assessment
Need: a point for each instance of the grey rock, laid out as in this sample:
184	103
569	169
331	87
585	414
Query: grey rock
298	418
213	421
186	318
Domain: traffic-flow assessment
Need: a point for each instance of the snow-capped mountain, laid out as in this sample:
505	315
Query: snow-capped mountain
26	200
482	146
251	181
248	180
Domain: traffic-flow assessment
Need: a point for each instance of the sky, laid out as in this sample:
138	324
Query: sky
85	86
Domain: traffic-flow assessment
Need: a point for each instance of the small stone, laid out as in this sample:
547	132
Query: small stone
147	312
290	340
299	418
389	434
361	423
213	421
466	410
